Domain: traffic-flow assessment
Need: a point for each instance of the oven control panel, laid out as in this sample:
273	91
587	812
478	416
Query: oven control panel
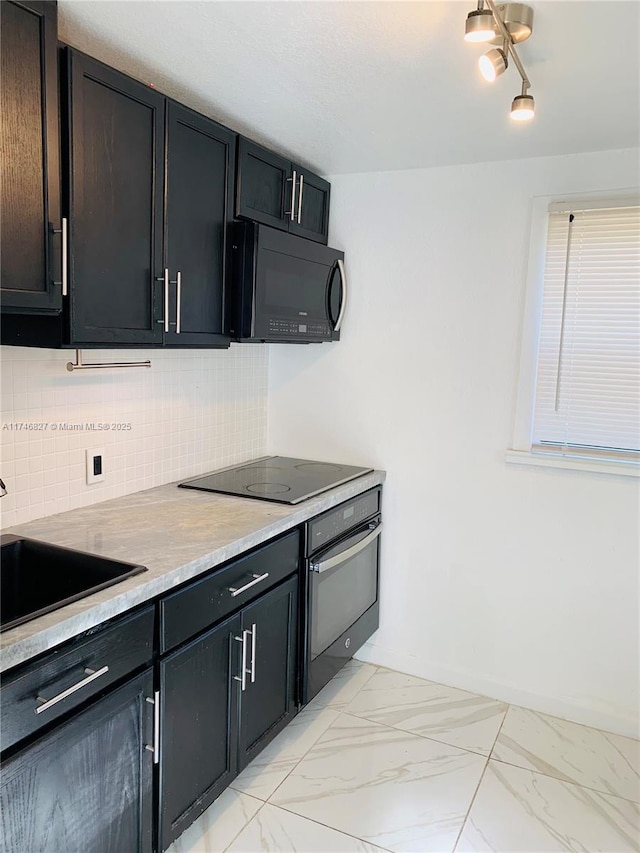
337	521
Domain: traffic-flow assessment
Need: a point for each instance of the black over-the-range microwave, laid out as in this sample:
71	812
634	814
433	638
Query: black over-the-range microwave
286	289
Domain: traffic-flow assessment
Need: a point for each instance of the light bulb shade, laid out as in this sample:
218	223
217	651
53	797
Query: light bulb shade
523	108
492	64
479	26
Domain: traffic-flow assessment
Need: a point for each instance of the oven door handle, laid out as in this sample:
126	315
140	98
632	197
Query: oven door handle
343	556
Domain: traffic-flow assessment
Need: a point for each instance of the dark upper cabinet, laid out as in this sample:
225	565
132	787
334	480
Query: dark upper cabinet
276	192
86	785
30	225
123	242
263	192
311	214
198	726
267	695
115	169
199	205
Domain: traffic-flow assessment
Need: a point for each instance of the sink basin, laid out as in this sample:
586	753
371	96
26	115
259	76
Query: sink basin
36	578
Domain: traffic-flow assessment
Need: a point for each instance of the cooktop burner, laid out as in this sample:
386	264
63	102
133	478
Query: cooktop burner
277	478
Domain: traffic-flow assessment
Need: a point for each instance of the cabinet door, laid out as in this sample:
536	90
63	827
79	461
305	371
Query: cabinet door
264	186
115	205
312	207
198	708
86	787
200	180
29	139
268	701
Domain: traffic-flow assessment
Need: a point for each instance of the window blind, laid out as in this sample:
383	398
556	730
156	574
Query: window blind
588	376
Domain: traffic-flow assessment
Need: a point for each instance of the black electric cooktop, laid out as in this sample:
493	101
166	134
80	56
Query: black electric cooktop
277	478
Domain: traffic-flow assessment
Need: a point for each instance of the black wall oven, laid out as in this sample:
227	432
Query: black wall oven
285	288
342	582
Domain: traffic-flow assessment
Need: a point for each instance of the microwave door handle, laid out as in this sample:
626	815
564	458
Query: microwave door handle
343	301
343	556
328	292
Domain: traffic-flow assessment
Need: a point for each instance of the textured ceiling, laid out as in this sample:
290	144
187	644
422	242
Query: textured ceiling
367	86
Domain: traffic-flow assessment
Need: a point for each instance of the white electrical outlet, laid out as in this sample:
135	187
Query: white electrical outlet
95	466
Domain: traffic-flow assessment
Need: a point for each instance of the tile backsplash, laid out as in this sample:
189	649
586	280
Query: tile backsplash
191	412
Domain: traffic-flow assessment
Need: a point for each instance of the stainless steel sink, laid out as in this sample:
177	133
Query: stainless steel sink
36	578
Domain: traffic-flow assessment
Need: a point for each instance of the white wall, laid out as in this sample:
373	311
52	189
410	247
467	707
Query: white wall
191	412
516	582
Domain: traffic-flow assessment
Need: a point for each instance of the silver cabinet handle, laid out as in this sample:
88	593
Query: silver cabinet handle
64	230
166	300
292	212
242	678
92	674
178	300
254	635
343	304
155	749
343	556
178	282
300	189
65	254
256	579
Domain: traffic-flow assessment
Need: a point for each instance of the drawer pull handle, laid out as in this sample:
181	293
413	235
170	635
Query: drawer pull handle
91	674
256	579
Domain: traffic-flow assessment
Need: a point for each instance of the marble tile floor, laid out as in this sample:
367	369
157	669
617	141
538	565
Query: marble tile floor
381	761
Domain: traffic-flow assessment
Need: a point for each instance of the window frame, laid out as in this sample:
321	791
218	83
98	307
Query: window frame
521	451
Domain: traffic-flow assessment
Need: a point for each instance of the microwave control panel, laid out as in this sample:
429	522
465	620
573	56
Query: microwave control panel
287	328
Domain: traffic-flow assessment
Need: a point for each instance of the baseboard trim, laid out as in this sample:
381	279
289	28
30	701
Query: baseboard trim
566	709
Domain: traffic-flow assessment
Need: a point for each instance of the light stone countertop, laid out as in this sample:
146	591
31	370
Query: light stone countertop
176	533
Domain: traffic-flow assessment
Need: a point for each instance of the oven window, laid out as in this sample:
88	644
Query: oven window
341	595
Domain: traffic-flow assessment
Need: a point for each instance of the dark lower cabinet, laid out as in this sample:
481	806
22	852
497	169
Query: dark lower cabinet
30	262
128	769
267	702
116	171
224	696
199	701
86	787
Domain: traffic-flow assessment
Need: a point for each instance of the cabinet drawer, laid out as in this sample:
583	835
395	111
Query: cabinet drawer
189	611
72	674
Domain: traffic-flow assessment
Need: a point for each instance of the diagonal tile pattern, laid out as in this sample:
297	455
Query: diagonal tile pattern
391	788
273	765
432	710
517	810
344	686
219	825
381	761
569	751
274	829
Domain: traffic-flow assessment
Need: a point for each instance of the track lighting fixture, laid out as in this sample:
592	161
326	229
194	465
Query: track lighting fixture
493	63
479	26
508	25
523	108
